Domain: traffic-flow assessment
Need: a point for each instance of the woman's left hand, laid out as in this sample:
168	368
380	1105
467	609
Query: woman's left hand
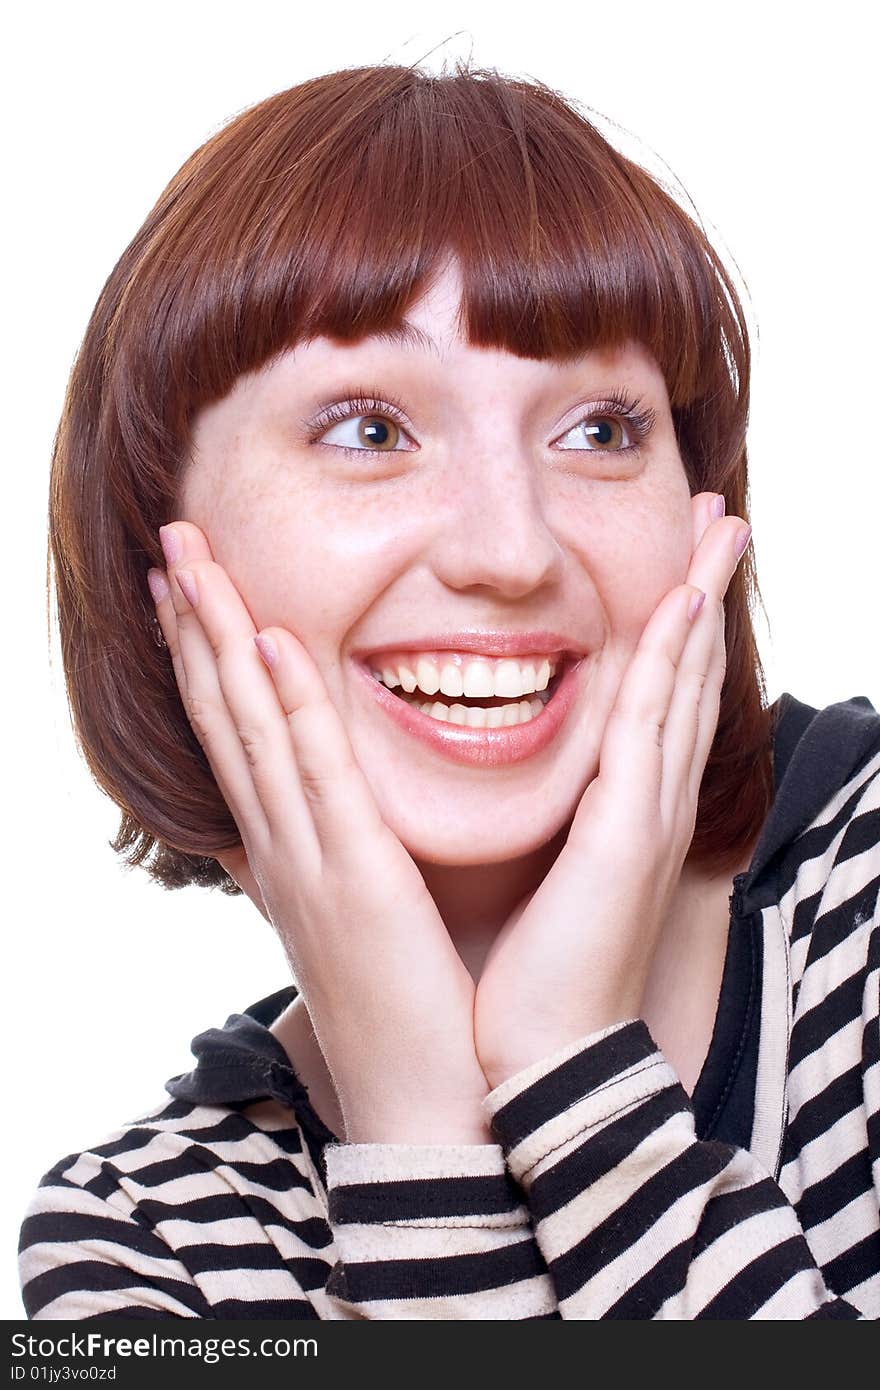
574	957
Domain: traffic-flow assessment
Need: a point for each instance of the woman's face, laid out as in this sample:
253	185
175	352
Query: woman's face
502	500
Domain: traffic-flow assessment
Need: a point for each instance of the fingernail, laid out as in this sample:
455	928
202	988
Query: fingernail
742	541
158	585
188	586
267	649
718	506
696	604
170	541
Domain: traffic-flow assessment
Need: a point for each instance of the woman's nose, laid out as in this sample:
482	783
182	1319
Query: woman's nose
492	526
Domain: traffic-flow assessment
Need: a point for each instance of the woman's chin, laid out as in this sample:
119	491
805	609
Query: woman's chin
455	840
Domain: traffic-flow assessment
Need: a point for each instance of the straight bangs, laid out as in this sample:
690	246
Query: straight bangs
327	210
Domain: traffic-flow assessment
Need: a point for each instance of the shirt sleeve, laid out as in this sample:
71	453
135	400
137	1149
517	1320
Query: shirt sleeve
90	1247
635	1216
84	1254
432	1232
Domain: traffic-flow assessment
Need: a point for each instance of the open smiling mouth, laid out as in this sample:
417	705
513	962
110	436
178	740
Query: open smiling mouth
499	694
503	721
478	711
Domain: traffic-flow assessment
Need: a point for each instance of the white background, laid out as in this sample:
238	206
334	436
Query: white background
764	113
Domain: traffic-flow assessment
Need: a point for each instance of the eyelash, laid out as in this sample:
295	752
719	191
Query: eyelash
640	420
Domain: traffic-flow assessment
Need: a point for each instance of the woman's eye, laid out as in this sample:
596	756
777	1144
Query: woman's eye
365	433
374	431
601	434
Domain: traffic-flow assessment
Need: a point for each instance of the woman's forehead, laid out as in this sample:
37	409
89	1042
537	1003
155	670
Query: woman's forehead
440	349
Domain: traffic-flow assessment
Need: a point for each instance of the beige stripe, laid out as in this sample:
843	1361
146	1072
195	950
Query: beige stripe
768	1126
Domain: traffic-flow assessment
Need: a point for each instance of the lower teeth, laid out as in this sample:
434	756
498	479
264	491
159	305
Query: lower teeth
478	716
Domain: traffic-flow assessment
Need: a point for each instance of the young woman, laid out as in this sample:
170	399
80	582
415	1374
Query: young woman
399	528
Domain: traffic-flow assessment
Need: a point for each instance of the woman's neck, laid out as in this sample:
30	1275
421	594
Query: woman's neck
475	901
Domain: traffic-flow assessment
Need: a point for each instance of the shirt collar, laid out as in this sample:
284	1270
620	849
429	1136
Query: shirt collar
243	1061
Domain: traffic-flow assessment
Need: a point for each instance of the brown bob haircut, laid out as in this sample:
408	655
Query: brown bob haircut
325	210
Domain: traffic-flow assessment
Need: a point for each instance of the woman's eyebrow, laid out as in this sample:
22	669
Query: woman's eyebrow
407	334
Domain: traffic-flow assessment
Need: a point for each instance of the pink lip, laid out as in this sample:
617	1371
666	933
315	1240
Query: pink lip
483	643
483	747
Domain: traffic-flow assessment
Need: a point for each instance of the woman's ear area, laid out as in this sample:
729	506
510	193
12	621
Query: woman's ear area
704	510
235	862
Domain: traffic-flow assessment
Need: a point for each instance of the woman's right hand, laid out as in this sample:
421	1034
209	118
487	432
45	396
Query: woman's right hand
390	1000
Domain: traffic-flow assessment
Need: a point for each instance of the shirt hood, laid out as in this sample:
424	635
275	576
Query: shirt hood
815	753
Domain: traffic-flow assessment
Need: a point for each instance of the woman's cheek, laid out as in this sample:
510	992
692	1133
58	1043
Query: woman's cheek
635	578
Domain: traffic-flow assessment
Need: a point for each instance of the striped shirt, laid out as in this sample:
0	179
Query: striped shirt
610	1193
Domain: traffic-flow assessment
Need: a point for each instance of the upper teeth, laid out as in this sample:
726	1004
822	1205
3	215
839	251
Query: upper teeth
455	673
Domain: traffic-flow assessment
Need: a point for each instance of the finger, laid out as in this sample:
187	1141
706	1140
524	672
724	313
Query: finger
717	555
706	507
709	710
200	686
632	752
693	715
340	799
695	704
298	754
182	540
161	594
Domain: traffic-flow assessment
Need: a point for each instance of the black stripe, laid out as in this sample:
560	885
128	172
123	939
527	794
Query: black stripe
174	1110
873	1132
289	1140
871	1031
55	1175
750	1288
441	1275
97	1276
193	1162
136	1310
67	1226
212	1258
842	921
308	1271
646	1295
278	1174
862	834
231	1128
568	1083
805	915
728	1209
229	1206
624	1227
265	1309
860	1262
410	1199
131	1141
603	1152
236	1127
840	1097
836	1308
830	1194
820	1023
